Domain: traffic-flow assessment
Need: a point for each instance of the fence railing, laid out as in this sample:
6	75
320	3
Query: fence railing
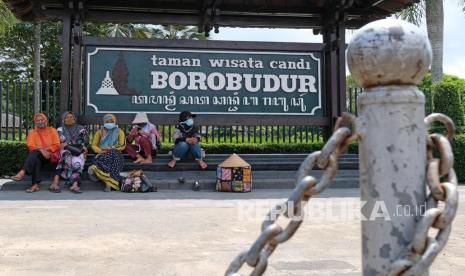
353	92
242	134
16	107
17	101
351	99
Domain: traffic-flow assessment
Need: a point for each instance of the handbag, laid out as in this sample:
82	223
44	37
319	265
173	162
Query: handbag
74	150
55	156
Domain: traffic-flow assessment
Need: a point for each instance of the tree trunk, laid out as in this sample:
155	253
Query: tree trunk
37	92
435	27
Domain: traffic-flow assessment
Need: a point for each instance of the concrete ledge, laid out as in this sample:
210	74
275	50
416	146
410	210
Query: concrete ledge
207	180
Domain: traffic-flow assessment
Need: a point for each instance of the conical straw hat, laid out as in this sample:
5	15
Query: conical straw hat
141	117
234	161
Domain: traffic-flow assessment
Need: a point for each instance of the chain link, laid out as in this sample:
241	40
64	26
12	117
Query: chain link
423	249
306	186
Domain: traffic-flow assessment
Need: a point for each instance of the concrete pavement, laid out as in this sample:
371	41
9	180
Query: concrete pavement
183	233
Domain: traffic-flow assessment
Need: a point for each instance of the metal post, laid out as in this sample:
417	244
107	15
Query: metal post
387	58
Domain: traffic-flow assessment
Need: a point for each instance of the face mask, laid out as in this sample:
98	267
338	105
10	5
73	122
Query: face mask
142	125
109	125
69	122
40	124
189	122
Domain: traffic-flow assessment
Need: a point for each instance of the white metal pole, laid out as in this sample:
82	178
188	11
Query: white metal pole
387	58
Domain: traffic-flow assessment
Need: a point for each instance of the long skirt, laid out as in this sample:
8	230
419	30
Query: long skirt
70	167
107	167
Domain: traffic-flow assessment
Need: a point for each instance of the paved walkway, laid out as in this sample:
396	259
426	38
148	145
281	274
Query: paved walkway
183	233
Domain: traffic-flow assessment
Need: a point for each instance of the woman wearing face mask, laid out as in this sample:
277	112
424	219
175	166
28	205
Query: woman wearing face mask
108	143
73	154
186	140
42	141
145	137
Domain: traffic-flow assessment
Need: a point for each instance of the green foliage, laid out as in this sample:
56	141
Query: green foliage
17	52
218	148
12	154
181	32
350	82
17	41
458	147
425	86
261	148
7	19
447	98
413	13
143	31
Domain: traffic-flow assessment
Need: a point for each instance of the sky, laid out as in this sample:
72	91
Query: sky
454	37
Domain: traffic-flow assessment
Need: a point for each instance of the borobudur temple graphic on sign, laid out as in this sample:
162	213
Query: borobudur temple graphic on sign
107	87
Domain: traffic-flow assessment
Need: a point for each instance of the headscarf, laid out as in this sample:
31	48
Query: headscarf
72	133
108	117
109	136
40	115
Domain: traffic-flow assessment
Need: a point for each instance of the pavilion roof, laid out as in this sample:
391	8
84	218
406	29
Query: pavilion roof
232	13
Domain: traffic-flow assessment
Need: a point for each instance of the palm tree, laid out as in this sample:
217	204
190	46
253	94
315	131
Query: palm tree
433	11
181	32
144	31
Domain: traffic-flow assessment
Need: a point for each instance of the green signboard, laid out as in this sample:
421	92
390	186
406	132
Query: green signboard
164	81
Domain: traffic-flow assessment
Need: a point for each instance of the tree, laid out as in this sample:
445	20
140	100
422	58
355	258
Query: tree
37	94
433	12
181	32
109	30
17	52
143	31
7	19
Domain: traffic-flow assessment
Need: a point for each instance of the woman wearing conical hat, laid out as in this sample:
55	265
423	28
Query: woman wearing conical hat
143	141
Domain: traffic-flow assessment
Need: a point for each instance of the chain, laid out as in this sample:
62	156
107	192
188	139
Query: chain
306	186
423	249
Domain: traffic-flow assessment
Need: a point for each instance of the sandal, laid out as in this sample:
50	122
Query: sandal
17	178
54	190
202	164
172	163
33	188
76	191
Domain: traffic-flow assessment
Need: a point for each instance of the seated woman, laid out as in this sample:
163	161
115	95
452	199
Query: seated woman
187	140
43	142
73	153
145	137
108	143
